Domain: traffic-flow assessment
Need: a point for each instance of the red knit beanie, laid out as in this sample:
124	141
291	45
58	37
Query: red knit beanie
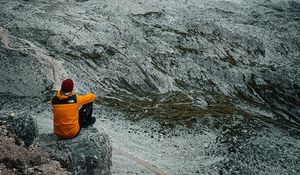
67	85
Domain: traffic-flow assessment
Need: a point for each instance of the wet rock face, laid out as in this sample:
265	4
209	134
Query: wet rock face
88	153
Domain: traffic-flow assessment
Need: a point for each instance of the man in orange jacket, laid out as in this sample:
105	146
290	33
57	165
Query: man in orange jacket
67	118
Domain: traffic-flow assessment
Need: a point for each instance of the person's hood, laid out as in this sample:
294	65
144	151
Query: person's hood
62	96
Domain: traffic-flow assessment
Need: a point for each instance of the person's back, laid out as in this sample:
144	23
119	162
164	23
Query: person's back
67	118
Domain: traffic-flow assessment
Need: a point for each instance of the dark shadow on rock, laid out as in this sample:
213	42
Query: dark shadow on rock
23	126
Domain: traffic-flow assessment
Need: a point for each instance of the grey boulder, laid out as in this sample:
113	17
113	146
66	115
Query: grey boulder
88	153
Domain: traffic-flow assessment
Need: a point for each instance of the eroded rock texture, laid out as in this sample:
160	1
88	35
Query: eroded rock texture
228	65
18	158
88	153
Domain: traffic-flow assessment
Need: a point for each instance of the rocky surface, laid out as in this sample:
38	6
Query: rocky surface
140	50
24	151
220	78
16	158
24	126
88	153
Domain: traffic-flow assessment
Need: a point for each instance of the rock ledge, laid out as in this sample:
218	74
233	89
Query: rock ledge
89	153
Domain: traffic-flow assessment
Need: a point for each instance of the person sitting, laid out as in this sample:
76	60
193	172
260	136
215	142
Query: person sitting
68	119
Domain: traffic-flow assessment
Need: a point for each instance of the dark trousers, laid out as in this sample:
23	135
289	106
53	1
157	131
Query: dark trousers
85	115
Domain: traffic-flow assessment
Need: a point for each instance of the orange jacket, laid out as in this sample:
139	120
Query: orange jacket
65	113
